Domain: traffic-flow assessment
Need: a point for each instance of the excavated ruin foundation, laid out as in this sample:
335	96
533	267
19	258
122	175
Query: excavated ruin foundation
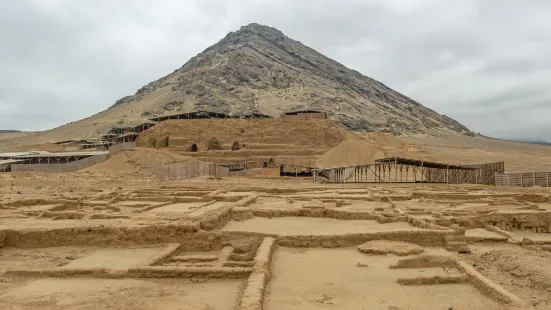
249	245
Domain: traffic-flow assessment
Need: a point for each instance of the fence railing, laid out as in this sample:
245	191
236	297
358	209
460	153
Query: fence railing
525	179
183	171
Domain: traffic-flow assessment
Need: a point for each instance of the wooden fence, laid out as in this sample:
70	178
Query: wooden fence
526	179
485	173
183	171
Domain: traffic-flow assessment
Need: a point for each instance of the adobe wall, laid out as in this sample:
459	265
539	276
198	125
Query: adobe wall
59	168
319	134
538	222
178	142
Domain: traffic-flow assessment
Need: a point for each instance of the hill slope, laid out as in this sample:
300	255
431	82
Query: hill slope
258	68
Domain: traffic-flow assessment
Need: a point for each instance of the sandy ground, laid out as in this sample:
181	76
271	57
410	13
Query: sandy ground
522	271
122	294
330	279
72	257
114	258
40	258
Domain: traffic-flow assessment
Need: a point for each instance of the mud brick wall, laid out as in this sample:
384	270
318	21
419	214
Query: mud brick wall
535	221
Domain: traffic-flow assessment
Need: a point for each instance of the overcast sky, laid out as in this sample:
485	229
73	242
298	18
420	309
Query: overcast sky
485	63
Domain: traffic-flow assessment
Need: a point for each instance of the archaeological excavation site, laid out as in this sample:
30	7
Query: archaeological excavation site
262	175
276	245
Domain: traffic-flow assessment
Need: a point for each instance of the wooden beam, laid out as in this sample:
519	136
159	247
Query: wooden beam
375	173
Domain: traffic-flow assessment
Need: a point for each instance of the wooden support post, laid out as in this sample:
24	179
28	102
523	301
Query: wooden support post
534	178
422	168
447	174
395	170
547	178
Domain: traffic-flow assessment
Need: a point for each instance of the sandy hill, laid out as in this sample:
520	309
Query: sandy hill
258	68
518	156
137	161
365	148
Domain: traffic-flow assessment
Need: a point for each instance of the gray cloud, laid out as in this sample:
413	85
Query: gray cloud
482	62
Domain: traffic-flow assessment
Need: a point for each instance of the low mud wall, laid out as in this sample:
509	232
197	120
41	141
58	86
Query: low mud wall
216	219
424	238
315	212
489	288
194	238
139	272
189	237
253	295
39	238
419	237
538	222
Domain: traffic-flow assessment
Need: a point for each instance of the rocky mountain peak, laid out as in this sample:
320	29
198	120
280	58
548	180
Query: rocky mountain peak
260	30
257	68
